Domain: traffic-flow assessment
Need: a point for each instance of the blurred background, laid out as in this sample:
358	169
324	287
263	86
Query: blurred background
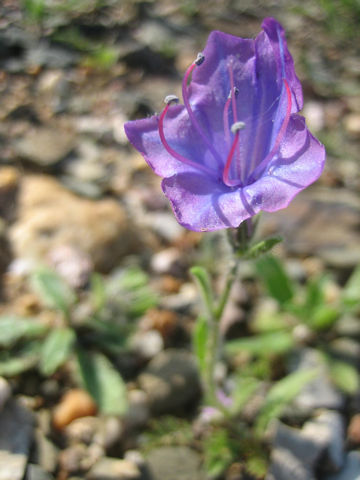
97	306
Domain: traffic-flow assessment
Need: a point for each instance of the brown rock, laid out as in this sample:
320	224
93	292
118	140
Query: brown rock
49	216
354	430
74	404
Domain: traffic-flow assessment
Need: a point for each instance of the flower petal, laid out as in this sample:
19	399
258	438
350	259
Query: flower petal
144	136
284	60
203	204
300	162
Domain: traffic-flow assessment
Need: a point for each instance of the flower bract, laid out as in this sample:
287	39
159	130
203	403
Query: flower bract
237	145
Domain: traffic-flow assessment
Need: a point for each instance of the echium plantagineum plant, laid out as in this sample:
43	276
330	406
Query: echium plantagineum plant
236	147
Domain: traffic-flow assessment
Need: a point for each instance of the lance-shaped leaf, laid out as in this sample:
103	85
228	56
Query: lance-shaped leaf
103	382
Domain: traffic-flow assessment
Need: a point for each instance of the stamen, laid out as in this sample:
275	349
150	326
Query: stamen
170	99
199	60
235	91
263	164
232	85
235	129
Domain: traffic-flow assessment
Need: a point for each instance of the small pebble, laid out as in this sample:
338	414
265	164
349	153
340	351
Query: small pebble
74	404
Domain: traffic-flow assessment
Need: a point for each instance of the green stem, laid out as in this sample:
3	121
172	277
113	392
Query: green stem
214	335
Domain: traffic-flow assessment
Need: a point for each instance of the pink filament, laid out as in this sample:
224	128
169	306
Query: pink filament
192	116
232	86
279	136
226	171
226	119
235	116
173	153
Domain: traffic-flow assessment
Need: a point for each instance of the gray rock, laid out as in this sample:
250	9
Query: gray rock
45	54
16	429
81	187
319	393
175	463
35	472
313	212
304	448
45	454
5	392
285	466
45	146
74	458
348	326
171	381
351	469
82	430
114	469
165	225
327	431
138	412
148	344
347	350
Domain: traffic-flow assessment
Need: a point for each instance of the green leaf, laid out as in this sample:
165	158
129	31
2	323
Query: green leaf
14	328
275	278
200	341
53	290
351	291
263	344
218	452
244	389
103	382
323	317
269	321
98	291
15	362
131	279
257	465
129	291
314	295
280	395
202	278
262	247
56	350
345	376
107	335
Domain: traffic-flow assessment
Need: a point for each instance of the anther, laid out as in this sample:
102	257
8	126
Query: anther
169	99
235	127
199	59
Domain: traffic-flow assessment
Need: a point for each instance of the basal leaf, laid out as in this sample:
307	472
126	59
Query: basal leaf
281	394
56	349
345	376
262	344
275	278
218	452
103	382
351	291
245	387
17	361
13	328
53	290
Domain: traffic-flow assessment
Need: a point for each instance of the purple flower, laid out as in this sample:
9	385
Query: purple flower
237	146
